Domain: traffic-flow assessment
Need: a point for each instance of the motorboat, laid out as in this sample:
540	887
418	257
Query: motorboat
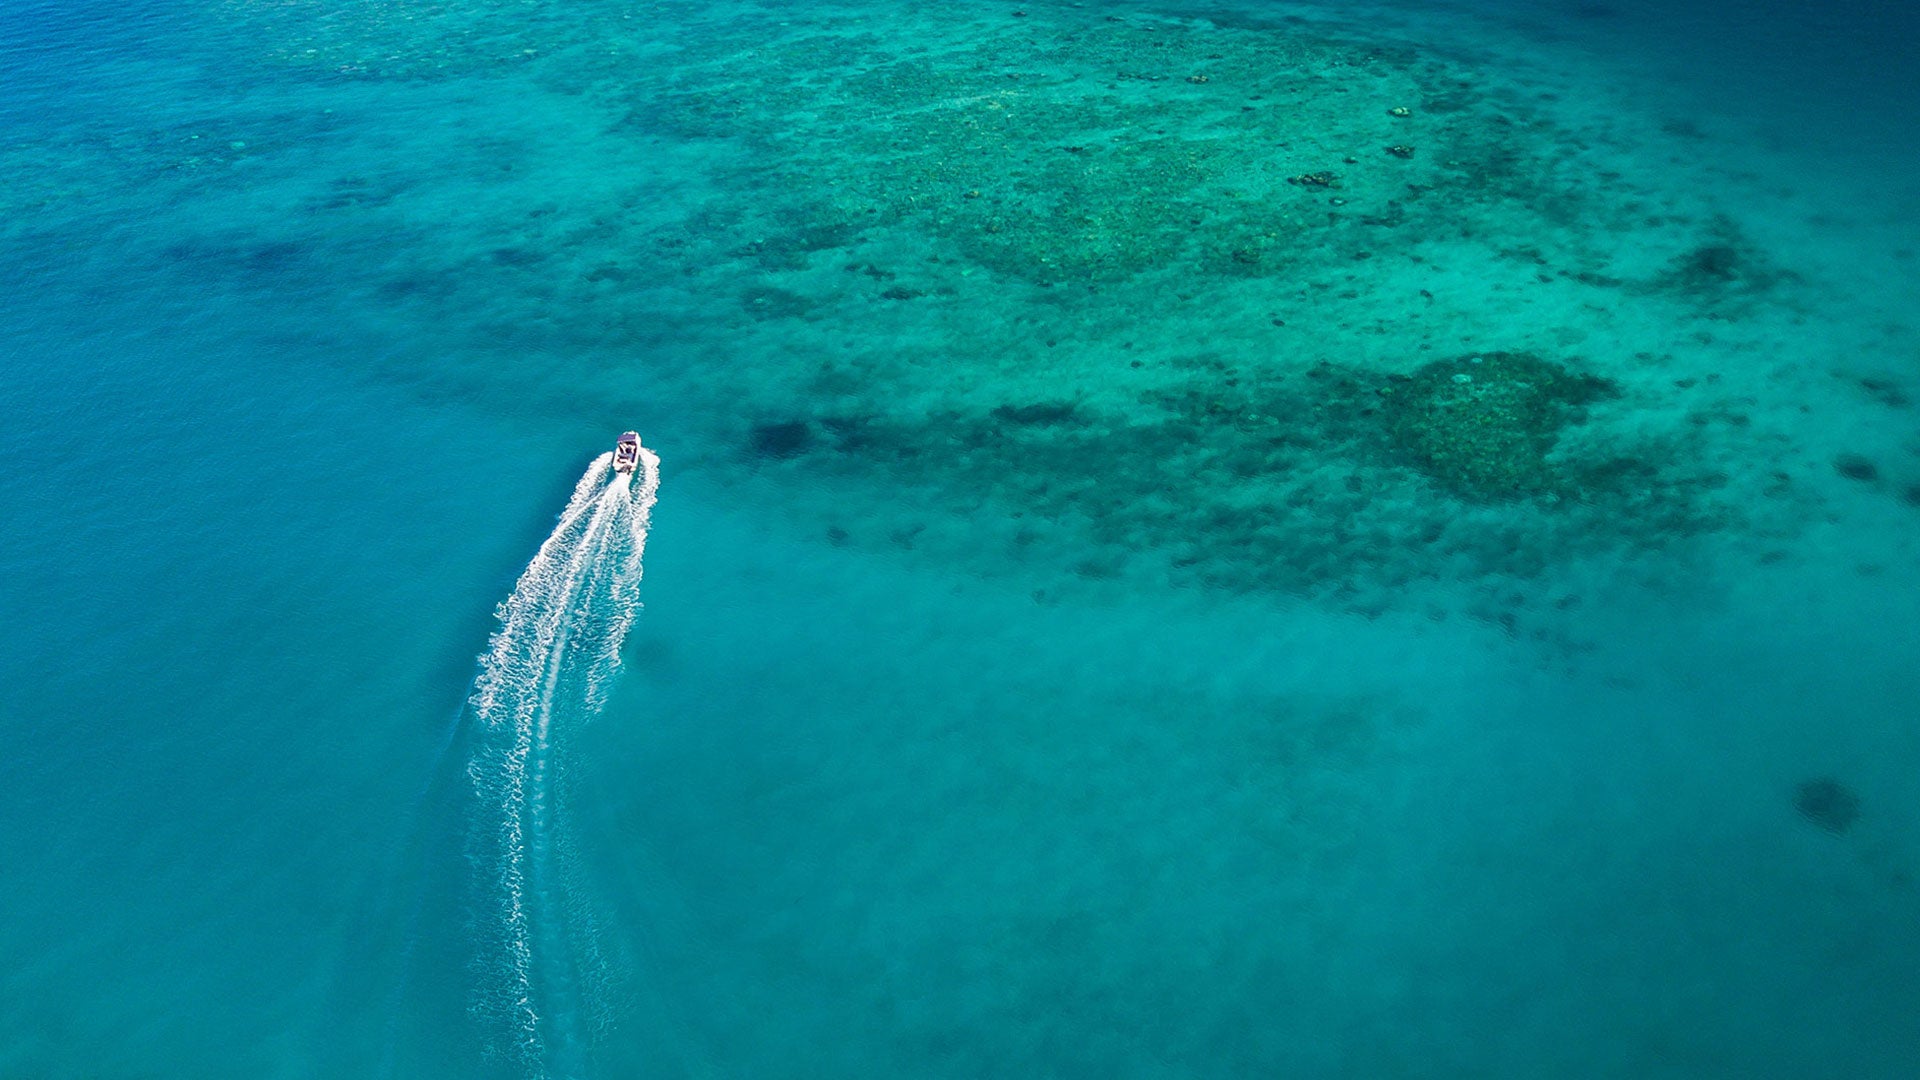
626	452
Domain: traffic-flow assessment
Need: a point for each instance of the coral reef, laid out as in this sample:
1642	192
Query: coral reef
1139	295
1827	803
1856	467
1483	426
1333	480
783	439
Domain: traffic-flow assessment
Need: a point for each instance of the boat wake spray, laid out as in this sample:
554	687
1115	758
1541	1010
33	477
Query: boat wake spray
546	670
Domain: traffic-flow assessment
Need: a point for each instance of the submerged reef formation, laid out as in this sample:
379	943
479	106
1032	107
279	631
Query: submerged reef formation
1034	224
1827	803
1483	426
1060	153
1209	297
1328	480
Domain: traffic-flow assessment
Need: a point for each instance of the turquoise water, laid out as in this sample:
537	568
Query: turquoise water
1063	653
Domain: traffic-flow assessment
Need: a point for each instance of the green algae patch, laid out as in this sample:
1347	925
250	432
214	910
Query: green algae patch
1484	427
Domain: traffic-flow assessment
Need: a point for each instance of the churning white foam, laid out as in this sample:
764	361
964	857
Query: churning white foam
549	665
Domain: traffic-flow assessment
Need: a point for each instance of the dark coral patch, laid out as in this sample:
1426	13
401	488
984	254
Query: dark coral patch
1885	391
1482	426
1709	264
767	302
1037	414
786	439
1827	803
1726	265
1856	467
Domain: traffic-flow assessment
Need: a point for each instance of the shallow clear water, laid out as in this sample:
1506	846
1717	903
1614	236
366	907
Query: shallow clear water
1038	675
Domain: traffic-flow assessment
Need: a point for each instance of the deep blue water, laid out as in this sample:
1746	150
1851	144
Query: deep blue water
287	402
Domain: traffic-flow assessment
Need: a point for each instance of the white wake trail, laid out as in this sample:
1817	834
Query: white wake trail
547	668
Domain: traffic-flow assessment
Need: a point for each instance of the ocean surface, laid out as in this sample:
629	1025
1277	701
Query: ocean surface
1191	539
